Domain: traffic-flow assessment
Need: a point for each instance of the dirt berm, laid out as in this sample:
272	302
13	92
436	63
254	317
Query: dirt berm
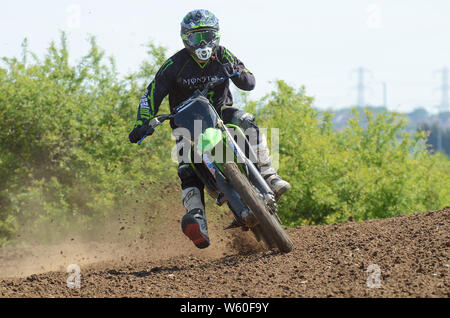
405	256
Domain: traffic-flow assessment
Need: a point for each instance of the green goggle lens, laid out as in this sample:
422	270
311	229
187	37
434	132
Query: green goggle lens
196	38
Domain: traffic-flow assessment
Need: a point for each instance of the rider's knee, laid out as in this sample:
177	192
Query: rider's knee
247	123
244	120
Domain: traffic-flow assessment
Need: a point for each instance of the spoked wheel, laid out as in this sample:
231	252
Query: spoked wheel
269	228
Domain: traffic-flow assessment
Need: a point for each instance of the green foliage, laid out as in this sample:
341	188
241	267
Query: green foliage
65	155
434	133
66	162
373	172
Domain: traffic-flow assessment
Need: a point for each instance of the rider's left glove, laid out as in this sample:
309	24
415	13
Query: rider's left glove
229	69
139	131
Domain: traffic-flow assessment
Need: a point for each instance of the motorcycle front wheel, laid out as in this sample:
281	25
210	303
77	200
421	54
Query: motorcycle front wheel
268	228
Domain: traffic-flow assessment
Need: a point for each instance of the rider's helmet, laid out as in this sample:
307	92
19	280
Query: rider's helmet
200	33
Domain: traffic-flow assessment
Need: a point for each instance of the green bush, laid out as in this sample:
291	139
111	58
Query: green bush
66	162
65	156
377	172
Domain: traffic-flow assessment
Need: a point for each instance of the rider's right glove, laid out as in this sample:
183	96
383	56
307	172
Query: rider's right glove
139	131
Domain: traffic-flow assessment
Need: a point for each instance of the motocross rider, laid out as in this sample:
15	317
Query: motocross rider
201	61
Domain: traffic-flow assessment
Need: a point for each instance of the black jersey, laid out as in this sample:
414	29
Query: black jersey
181	75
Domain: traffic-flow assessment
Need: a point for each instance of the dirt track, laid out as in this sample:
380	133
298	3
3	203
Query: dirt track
412	253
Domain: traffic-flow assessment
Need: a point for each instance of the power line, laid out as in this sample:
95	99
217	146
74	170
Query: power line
360	86
445	88
444	105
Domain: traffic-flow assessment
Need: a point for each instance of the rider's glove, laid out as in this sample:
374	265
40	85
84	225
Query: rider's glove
228	69
139	131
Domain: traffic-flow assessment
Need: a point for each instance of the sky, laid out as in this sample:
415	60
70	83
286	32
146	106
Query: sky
318	44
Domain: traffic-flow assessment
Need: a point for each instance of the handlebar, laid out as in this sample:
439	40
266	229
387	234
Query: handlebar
155	122
158	120
218	81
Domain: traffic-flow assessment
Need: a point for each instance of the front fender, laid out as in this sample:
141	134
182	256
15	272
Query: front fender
209	139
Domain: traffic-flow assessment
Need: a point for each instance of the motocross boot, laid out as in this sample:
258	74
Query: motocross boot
275	182
193	223
278	185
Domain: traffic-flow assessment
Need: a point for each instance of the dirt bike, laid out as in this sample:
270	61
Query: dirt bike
236	180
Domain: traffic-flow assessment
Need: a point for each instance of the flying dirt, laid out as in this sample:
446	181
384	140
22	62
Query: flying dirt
404	256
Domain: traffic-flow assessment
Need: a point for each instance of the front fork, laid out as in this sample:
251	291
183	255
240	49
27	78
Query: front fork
226	193
252	172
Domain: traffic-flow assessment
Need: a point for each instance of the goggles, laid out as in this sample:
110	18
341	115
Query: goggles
199	37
